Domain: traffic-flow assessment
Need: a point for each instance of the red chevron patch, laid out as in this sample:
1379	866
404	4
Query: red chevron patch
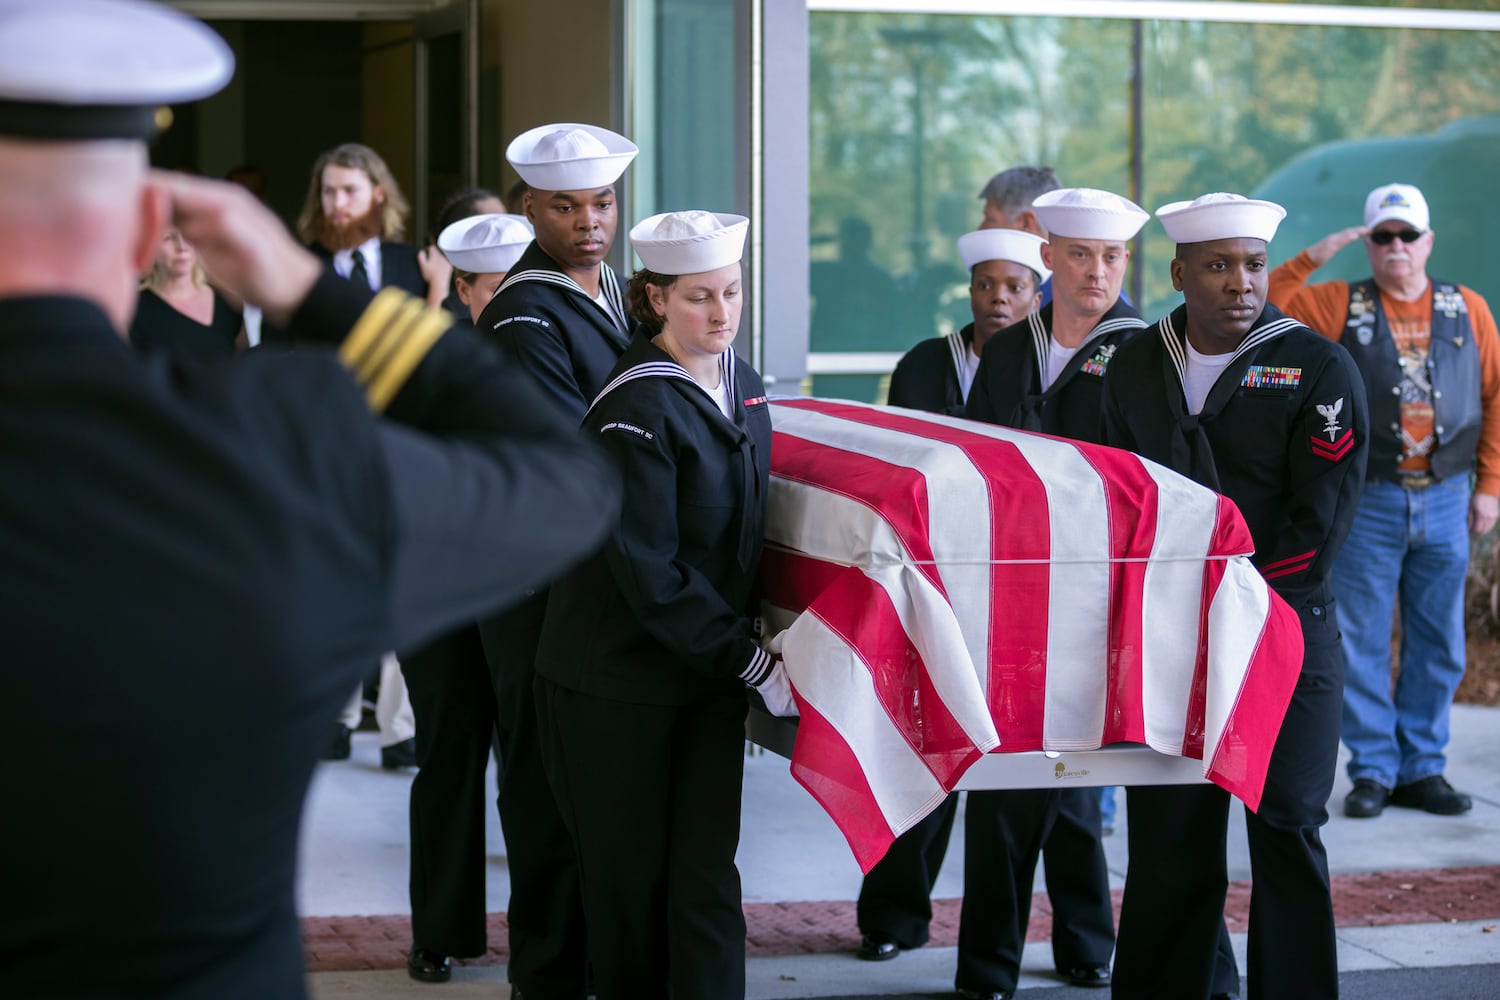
1333	450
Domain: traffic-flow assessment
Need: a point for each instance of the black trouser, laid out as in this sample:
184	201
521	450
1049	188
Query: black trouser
548	948
454	704
651	797
895	898
1005	832
1174	890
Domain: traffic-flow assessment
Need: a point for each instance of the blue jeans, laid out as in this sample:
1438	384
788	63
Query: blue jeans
1414	543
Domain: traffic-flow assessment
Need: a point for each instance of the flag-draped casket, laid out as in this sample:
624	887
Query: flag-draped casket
954	589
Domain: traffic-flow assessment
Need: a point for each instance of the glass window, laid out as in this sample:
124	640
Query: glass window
910	114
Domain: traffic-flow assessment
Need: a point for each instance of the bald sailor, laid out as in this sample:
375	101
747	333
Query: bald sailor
560	316
1231	393
202	559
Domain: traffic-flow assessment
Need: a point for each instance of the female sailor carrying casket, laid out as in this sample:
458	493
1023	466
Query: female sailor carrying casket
648	646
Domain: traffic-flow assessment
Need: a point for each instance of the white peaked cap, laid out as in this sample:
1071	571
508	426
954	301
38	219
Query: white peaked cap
1397	201
1089	214
689	242
1014	245
570	157
485	244
99	69
1220	216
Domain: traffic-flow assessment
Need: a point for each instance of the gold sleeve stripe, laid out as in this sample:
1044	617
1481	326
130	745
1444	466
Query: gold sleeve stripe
391	338
374	323
427	326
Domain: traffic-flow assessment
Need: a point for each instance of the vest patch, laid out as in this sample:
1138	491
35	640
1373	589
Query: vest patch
1100	361
1271	377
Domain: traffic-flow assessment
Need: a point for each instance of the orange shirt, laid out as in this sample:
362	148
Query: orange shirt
1324	307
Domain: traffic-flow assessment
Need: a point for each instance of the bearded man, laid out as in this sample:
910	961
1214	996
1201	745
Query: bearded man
355	214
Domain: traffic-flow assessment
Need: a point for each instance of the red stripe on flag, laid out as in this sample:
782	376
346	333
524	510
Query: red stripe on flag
1131	495
1244	753
896	492
859	611
1019	530
825	765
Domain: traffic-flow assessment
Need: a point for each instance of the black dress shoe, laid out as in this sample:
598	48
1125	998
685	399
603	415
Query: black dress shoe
969	994
399	755
1091	976
876	950
338	745
1433	795
1368	799
428	966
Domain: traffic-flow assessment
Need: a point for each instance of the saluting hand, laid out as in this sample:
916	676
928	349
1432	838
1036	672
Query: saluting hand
1322	251
242	244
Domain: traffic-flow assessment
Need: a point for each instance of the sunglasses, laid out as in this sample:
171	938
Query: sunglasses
1384	237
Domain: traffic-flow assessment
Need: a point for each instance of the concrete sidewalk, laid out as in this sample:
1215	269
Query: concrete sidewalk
1440	908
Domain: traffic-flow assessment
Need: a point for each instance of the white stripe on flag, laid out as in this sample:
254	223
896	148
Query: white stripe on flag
1236	619
1172	605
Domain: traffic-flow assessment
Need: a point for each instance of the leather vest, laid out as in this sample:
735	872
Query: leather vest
1452	372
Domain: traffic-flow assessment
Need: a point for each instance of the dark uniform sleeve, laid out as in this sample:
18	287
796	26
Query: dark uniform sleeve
531	334
1325	463
491	490
671	598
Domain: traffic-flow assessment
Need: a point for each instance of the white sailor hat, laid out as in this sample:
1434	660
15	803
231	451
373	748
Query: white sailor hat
689	242
486	244
1014	245
1220	216
1089	214
101	69
1397	201
570	157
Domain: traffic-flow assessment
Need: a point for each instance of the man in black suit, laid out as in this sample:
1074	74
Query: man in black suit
200	560
355	215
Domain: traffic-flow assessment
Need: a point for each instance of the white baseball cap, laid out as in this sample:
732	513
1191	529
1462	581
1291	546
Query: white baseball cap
102	69
570	157
1220	216
1014	245
689	242
1089	214
1397	201
486	244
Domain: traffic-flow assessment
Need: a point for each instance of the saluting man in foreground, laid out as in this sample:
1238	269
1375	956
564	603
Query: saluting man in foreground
1231	393
201	560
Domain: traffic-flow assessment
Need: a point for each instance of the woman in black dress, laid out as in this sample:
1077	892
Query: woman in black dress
648	646
180	312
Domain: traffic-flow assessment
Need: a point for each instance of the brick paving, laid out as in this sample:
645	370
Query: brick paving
1440	895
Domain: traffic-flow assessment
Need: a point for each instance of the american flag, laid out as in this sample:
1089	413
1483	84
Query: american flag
955	588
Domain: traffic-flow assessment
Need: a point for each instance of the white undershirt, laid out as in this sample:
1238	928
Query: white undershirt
343	261
967	373
1203	370
720	393
1058	357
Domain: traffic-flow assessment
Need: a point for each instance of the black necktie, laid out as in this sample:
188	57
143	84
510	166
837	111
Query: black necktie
357	272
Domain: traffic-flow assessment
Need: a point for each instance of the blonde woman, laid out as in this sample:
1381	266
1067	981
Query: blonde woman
180	312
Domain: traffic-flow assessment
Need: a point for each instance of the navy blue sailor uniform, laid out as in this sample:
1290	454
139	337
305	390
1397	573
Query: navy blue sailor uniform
1284	434
195	549
552	329
1006	830
648	645
1009	388
930	376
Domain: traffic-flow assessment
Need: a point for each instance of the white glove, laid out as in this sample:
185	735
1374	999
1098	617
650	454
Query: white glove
776	692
